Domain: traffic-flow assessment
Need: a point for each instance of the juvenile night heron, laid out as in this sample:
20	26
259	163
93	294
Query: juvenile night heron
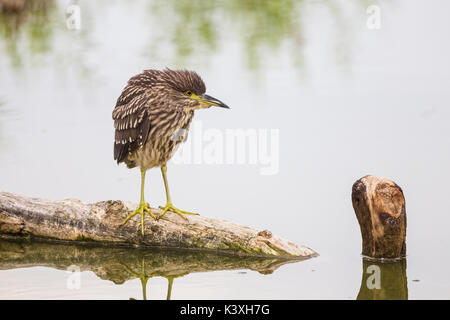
151	117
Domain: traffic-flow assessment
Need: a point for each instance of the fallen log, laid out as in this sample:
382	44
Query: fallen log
72	220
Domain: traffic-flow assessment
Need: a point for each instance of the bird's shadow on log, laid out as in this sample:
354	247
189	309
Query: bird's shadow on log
122	264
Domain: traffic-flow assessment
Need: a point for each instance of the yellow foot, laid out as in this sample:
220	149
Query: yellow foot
169	207
142	209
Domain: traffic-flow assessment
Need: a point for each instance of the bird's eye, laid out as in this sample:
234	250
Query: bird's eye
188	93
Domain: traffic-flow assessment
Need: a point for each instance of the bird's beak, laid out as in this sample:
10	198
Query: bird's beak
210	101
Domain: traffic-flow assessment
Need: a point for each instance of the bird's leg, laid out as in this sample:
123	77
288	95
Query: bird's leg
169	206
170	284
143	206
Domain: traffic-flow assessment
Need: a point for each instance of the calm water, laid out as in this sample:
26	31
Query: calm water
344	101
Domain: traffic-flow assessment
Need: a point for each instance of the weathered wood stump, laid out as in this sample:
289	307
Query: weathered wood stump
100	223
379	205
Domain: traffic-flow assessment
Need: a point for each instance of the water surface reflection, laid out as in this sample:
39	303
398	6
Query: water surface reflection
195	31
32	20
383	280
123	264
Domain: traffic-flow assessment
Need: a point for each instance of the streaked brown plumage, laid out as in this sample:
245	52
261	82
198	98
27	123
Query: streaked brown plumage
152	108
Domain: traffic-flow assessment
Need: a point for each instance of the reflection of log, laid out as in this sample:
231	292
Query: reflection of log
119	264
380	208
73	220
383	281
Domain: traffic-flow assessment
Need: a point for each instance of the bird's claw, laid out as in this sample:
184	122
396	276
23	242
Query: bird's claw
143	208
170	207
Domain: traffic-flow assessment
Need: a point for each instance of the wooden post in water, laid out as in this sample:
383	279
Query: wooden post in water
379	205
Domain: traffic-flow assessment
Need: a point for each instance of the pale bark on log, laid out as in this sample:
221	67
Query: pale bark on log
379	205
100	223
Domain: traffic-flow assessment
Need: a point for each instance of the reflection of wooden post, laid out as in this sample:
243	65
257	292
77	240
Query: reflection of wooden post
379	205
383	281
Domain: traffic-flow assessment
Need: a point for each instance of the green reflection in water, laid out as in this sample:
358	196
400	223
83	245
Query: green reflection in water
200	25
33	34
267	24
32	20
261	27
196	29
383	280
122	264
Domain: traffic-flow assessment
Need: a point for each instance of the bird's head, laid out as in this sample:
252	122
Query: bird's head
188	89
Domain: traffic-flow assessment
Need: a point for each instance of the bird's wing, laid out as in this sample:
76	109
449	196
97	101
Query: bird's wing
131	121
